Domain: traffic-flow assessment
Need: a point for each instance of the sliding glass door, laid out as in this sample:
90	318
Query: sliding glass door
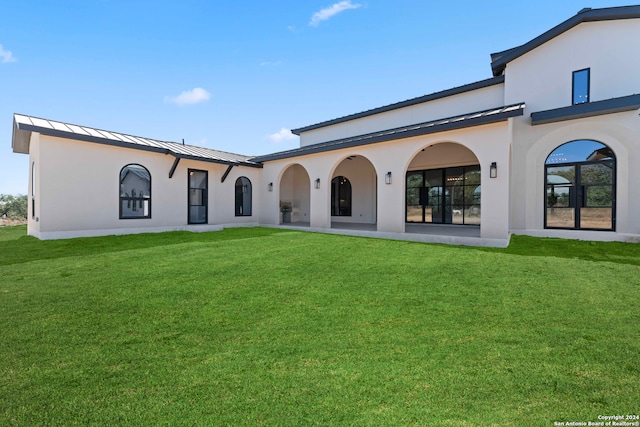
444	196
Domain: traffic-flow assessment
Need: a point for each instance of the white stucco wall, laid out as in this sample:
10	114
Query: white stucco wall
468	102
79	190
362	176
543	77
33	216
621	132
488	143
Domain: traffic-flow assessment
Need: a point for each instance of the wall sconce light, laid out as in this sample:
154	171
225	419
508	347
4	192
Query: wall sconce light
493	170
270	186
387	178
316	183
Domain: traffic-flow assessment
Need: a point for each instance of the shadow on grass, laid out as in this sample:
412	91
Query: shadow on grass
16	247
618	252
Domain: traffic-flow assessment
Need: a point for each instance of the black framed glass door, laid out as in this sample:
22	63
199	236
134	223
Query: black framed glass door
580	195
444	196
197	199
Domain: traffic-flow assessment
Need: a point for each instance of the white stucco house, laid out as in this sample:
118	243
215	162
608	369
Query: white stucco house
549	145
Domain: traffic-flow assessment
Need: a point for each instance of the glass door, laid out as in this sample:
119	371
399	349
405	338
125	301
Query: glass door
198	183
580	196
444	196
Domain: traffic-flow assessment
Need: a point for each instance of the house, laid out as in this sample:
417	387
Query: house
547	146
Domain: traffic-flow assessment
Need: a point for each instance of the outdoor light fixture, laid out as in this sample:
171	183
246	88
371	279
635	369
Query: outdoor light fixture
316	184
387	178
493	170
270	186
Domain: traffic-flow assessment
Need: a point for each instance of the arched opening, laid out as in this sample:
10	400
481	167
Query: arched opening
243	196
135	192
580	186
443	186
354	193
295	197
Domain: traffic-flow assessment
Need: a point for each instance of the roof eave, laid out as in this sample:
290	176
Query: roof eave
22	134
21	139
399	133
500	59
588	109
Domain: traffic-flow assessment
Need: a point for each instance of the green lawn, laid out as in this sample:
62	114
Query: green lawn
277	327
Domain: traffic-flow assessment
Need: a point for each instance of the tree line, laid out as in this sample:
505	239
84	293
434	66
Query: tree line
13	207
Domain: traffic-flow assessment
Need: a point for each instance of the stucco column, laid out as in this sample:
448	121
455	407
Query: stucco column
495	199
320	199
391	200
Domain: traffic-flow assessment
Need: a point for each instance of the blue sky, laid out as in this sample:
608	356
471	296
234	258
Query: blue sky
237	75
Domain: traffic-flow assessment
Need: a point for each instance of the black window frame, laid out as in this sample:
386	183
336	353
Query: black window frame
341	189
204	198
574	84
243	187
443	199
33	189
578	191
136	200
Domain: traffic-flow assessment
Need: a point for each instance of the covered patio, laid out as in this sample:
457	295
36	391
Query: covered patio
463	235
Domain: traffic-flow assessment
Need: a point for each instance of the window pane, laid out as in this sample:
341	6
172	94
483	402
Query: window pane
580	151
135	192
197	214
599	173
601	196
600	218
414	179
580	86
561	217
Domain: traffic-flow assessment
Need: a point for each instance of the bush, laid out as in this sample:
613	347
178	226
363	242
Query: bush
13	207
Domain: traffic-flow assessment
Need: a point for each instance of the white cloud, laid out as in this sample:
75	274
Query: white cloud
283	135
331	11
6	55
189	97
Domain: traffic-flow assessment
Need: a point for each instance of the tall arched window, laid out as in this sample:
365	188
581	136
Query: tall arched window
340	196
243	196
135	192
580	186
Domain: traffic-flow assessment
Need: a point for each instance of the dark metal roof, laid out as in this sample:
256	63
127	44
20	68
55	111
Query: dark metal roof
493	115
409	102
587	109
499	60
24	125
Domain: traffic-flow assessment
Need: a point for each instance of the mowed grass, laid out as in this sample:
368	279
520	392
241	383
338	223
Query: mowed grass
276	327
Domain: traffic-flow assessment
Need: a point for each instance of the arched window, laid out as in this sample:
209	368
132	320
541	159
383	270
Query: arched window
135	192
243	196
340	196
33	190
580	186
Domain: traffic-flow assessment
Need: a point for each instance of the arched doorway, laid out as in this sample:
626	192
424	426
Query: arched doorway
354	192
295	199
443	186
580	186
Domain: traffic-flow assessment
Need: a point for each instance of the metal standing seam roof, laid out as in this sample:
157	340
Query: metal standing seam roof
493	115
407	103
23	125
499	60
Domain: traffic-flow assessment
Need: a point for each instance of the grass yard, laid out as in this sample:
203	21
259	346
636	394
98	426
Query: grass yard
278	327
